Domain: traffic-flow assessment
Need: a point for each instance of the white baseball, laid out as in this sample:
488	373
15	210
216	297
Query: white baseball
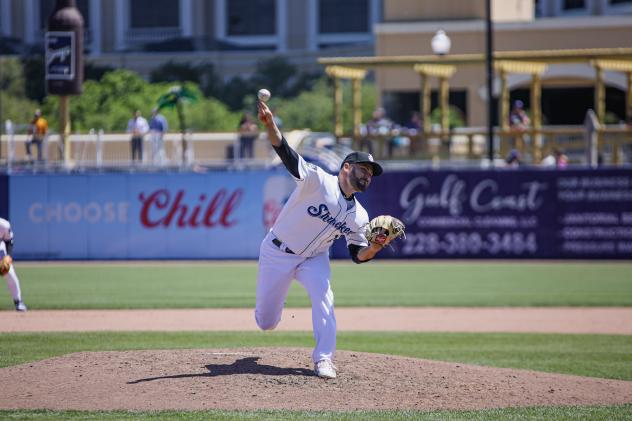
263	95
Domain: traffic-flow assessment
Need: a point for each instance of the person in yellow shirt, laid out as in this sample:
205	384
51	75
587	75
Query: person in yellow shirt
38	130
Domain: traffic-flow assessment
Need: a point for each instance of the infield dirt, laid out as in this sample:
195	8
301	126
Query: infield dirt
282	378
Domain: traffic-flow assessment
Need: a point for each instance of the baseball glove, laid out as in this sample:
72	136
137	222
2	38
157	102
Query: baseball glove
5	265
383	229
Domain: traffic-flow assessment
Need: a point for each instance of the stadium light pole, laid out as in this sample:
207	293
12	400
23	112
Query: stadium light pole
489	54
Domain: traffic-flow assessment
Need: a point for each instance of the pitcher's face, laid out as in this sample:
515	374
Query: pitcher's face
360	176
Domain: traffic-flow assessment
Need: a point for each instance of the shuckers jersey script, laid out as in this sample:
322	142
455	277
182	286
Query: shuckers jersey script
317	213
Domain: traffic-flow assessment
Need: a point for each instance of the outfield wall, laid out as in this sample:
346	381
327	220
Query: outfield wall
225	214
4	196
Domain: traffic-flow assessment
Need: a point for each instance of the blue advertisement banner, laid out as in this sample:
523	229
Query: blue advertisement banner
140	216
507	213
577	214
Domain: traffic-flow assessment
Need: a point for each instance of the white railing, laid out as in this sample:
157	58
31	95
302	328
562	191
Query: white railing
100	149
613	145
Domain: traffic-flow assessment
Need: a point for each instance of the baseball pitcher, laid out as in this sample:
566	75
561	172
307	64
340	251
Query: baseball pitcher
6	264
322	208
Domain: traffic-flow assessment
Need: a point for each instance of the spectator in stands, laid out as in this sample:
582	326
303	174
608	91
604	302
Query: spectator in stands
414	125
518	118
410	134
248	132
158	126
379	126
556	159
513	159
138	127
37	131
561	160
519	123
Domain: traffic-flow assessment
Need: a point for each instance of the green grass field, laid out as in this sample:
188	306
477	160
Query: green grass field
232	284
200	285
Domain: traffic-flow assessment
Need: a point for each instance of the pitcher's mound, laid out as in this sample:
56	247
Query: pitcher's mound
282	378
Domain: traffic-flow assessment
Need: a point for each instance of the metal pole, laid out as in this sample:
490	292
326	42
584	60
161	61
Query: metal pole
337	108
490	80
64	127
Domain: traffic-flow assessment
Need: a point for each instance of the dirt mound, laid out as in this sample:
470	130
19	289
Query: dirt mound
282	378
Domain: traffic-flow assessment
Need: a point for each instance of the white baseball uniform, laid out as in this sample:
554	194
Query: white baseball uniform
297	247
13	283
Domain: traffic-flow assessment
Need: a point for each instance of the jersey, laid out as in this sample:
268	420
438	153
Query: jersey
317	213
6	237
41	127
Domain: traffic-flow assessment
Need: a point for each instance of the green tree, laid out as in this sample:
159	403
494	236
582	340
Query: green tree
15	106
282	77
34	73
107	104
313	109
455	117
175	72
275	74
92	71
17	109
235	91
203	75
212	115
12	77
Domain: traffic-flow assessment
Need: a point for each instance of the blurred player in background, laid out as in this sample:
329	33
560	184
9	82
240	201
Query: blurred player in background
6	264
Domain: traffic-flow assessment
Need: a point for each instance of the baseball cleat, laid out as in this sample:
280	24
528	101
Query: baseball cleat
19	306
325	369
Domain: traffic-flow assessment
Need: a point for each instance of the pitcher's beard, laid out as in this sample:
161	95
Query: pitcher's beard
359	184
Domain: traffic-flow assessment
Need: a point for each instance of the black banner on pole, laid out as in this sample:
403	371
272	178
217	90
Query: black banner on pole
60	56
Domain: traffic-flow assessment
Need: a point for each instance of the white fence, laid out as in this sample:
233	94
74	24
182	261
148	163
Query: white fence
99	149
466	145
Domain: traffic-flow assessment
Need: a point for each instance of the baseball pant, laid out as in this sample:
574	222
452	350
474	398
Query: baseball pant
13	283
277	269
137	148
37	142
157	148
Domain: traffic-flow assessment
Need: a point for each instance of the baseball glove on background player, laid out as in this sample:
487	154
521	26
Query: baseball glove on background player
5	265
383	229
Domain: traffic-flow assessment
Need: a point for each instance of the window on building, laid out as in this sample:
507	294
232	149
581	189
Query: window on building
251	17
154	13
573	4
47	7
343	16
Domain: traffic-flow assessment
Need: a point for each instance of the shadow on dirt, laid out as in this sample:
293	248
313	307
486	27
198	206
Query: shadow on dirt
247	365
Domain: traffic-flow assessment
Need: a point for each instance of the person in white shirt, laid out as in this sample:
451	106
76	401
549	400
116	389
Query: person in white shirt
6	248
321	209
138	127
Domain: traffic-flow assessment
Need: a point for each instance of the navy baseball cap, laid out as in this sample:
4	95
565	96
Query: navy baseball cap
360	157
